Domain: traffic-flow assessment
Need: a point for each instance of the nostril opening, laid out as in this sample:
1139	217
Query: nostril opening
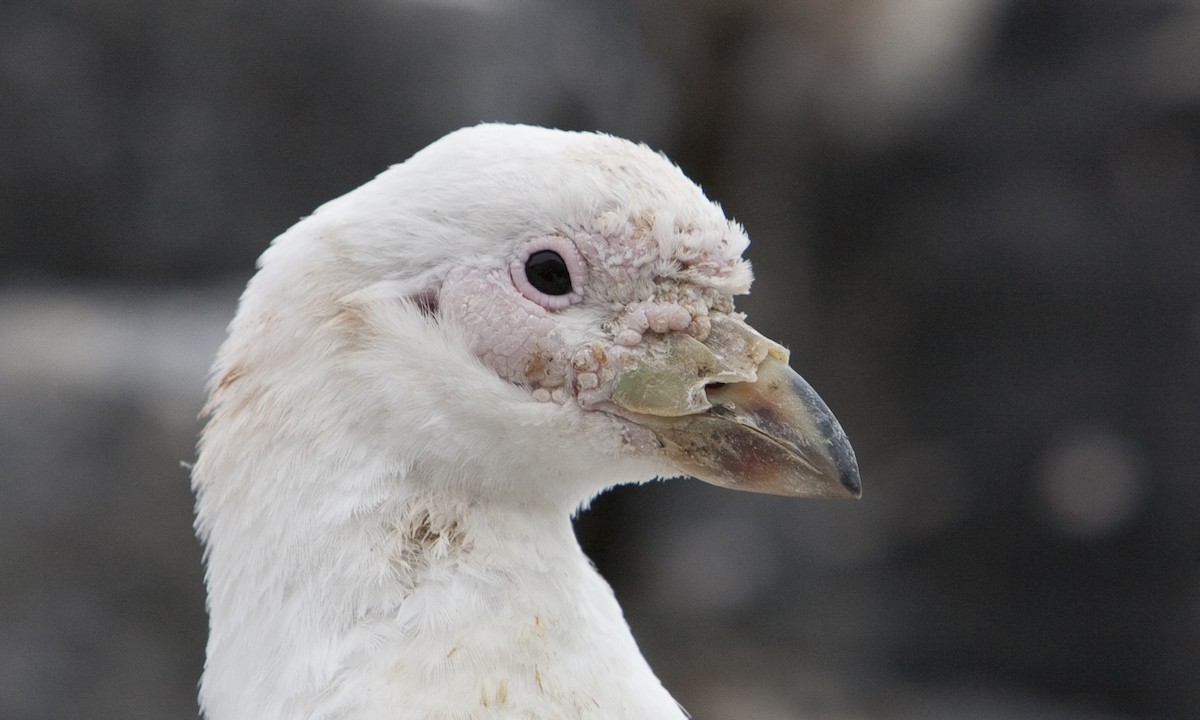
713	386
720	404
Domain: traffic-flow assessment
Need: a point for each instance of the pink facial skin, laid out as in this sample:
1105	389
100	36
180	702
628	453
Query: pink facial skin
515	337
516	327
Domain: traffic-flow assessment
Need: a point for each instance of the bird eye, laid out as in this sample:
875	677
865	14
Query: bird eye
547	271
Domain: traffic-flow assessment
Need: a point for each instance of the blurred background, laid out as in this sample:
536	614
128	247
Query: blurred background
975	222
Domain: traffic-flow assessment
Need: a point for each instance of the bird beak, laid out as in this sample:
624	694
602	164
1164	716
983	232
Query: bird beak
731	412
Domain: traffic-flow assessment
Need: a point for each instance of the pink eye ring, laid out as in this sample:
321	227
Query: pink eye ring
550	271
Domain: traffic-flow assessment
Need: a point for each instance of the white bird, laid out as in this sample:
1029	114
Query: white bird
424	381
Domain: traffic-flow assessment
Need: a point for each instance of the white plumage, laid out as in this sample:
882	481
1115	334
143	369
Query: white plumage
425	380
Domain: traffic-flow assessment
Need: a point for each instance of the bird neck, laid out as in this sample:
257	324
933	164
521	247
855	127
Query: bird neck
418	605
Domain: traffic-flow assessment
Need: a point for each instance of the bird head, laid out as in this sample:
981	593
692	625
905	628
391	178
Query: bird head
521	306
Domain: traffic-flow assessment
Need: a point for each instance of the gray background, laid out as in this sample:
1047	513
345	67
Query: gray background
975	222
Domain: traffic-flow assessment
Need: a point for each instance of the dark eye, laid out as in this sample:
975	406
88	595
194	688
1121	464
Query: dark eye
547	272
